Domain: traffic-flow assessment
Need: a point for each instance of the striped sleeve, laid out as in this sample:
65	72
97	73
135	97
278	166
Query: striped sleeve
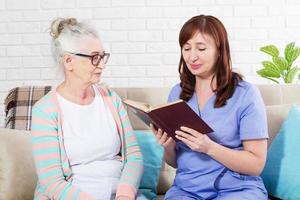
46	153
133	166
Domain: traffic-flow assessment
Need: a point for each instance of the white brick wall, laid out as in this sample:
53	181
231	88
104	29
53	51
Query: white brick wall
142	36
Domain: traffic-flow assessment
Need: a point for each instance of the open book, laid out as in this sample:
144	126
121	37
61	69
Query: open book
169	117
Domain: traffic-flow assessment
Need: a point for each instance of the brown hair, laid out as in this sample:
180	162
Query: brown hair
226	79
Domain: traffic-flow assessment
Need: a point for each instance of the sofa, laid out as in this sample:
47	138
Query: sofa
17	172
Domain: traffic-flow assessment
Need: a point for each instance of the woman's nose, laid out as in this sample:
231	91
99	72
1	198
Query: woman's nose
194	56
100	65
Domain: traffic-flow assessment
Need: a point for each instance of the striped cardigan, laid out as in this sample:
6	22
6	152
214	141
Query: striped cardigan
52	164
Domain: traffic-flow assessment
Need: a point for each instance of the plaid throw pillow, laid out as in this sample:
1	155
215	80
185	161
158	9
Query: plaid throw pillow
18	105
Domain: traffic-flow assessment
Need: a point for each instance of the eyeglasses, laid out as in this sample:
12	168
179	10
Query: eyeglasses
95	59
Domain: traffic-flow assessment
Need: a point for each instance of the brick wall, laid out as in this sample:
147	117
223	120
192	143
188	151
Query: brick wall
141	35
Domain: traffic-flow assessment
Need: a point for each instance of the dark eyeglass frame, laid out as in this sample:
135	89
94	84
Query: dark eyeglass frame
95	60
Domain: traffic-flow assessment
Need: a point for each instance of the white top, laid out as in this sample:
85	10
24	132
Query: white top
92	145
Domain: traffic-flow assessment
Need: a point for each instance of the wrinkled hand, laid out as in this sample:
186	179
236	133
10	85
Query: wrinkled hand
163	139
194	140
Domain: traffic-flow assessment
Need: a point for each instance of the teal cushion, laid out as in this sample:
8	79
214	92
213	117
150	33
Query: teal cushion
281	174
153	154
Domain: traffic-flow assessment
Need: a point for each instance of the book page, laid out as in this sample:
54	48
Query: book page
164	105
136	104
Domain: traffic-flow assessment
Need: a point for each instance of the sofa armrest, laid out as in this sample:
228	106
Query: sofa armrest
17	171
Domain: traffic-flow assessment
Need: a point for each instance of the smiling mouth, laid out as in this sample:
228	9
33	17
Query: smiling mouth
196	66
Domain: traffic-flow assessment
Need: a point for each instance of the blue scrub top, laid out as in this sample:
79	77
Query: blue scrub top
242	118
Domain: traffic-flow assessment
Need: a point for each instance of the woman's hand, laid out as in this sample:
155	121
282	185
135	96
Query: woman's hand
163	139
194	140
169	145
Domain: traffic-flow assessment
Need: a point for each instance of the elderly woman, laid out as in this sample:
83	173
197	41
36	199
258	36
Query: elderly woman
83	144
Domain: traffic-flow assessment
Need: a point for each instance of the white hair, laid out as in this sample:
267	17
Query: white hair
66	33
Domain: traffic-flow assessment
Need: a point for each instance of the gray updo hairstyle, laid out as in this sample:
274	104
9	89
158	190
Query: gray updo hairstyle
65	34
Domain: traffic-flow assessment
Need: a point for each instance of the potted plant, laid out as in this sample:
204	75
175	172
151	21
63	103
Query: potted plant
280	67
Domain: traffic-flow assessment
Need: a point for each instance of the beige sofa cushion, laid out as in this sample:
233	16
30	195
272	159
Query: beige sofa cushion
276	114
167	175
17	171
278	94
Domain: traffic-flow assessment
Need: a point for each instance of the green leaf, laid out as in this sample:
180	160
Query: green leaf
271	66
281	63
267	72
296	54
288	51
271	50
291	75
291	53
299	76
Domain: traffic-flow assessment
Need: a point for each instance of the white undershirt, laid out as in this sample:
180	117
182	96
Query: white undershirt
92	145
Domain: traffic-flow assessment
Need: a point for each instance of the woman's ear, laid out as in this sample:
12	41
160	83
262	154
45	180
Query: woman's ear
67	62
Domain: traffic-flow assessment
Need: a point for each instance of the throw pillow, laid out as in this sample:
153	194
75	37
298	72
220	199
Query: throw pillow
281	174
153	154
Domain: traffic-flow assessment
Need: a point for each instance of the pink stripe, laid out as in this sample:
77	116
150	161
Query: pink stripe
46	157
139	154
42	133
41	121
47	180
133	171
59	190
128	177
131	139
58	178
51	110
126	190
133	149
44	170
51	187
127	129
138	165
45	145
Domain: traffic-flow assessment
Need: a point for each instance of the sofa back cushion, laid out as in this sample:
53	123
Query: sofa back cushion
275	117
20	100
